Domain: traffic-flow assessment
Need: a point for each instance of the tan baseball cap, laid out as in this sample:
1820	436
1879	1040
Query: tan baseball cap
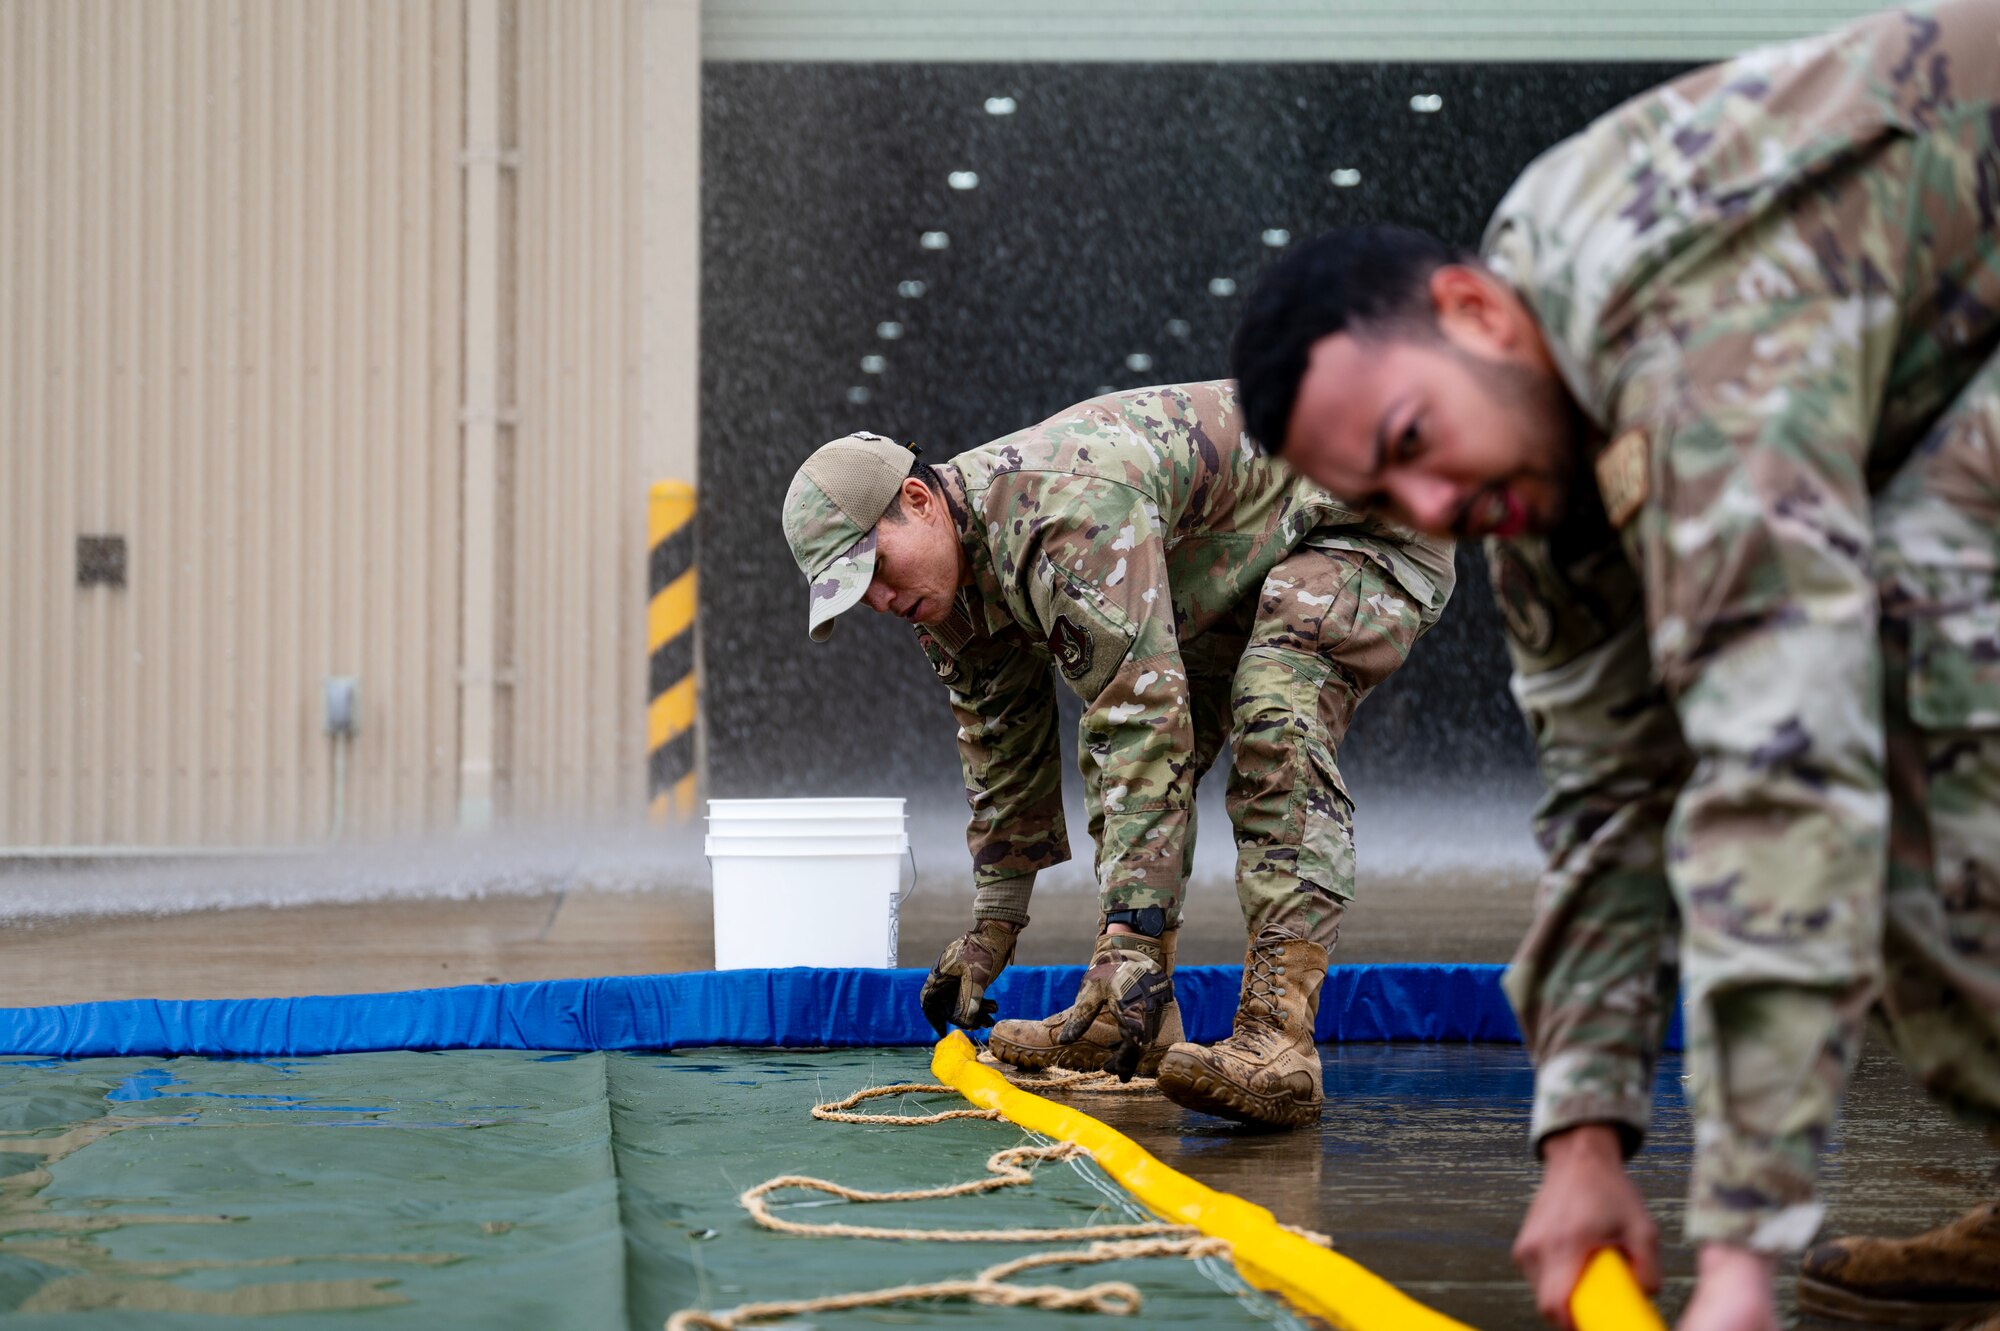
831	510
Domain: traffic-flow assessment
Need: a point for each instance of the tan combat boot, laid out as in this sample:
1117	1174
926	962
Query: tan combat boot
1944	1276
1267	1071
1032	1044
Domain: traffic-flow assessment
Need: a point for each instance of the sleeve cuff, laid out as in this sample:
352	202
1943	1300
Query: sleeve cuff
1580	1086
1753	1191
1004	899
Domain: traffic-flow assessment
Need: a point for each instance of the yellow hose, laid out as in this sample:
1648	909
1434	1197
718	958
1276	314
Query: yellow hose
1607	1297
1313	1279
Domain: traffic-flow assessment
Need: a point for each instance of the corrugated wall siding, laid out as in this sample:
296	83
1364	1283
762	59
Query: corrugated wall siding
574	595
229	334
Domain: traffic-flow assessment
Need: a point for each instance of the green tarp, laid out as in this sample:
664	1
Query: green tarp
501	1189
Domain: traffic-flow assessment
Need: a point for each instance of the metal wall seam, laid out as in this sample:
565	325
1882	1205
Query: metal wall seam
552	688
480	417
576	106
381	536
193	419
540	340
89	639
580	75
434	144
292	537
407	787
228	773
358	290
152	574
555	688
13	459
195	424
257	137
64	397
27	349
622	762
615	500
604	61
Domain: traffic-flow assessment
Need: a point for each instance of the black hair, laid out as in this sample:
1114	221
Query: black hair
924	472
1360	279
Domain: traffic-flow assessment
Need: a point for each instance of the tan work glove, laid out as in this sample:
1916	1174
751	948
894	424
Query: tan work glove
955	991
1127	978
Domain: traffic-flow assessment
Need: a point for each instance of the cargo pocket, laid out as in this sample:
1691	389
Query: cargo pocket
1954	699
1326	846
1943	937
1955	670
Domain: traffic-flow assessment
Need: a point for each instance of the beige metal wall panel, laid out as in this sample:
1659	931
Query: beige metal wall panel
670	232
229	332
574	740
1256	30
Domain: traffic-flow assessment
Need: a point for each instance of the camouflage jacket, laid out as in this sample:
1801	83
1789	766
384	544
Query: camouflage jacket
1761	283
1106	544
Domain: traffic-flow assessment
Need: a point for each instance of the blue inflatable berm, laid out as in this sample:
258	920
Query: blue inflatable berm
790	1008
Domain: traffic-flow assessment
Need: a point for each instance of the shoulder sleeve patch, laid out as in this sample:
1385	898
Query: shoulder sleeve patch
1623	476
1088	636
1071	646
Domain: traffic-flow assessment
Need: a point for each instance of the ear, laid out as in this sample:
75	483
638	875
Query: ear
1475	309
918	500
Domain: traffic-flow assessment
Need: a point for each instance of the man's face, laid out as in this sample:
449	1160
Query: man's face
918	561
1464	431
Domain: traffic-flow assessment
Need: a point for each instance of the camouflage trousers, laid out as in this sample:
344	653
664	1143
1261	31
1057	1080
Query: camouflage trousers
1280	689
1937	569
1938	551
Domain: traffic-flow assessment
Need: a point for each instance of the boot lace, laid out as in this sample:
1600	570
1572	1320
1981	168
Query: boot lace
1260	1020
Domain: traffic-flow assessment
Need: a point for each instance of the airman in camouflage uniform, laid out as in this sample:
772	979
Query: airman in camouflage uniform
1757	645
1191	593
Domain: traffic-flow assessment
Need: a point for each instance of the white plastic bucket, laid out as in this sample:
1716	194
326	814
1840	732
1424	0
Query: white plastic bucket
787	810
870	825
811	882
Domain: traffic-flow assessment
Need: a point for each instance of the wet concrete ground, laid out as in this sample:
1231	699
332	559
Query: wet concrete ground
1420	1167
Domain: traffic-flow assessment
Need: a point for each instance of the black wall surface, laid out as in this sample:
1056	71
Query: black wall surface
1106	203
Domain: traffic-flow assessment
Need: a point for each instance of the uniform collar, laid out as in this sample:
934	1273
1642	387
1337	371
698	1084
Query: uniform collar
1513	254
983	604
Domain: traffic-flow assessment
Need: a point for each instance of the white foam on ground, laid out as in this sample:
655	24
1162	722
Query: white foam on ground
454	868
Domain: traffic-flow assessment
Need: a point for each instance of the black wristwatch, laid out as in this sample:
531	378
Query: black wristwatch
1148	920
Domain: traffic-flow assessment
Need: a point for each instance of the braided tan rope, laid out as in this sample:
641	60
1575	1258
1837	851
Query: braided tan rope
1048	1079
1066	1079
836	1111
1004	1169
987	1287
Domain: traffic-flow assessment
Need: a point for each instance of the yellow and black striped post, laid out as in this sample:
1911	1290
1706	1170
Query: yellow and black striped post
670	711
